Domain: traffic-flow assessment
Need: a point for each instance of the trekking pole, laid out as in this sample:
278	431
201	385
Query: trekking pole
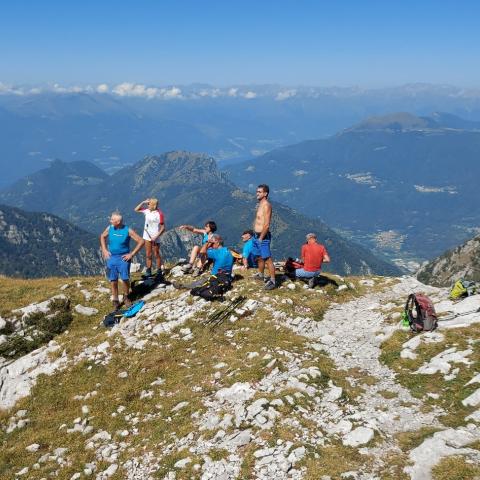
455	315
227	312
221	314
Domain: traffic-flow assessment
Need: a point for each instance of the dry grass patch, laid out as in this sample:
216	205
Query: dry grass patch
16	292
456	468
333	460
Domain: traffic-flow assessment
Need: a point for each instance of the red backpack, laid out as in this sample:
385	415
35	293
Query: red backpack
421	313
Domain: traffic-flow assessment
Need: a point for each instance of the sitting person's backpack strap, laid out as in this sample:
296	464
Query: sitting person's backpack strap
214	287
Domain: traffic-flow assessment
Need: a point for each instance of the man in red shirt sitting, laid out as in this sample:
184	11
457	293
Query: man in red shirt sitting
313	255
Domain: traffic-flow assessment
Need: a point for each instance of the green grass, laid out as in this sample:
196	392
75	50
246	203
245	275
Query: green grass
452	392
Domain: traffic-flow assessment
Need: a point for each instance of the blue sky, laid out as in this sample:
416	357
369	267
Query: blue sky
302	42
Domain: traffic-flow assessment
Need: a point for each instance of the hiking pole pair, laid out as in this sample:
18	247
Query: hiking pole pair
221	315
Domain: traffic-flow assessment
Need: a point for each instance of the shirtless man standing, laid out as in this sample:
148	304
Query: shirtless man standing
262	237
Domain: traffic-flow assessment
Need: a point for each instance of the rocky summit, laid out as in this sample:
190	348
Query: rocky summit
295	383
460	262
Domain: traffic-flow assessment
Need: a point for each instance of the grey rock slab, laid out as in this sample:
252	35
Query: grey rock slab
359	436
442	362
179	406
18	377
473	400
237	393
475	379
183	462
32	448
87	311
442	444
237	440
42	307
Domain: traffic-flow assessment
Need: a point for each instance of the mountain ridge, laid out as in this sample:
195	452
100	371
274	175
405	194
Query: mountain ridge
192	190
459	262
415	184
36	244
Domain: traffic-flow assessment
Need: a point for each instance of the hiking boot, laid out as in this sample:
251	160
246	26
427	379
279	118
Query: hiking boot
312	282
148	272
269	285
127	302
259	276
187	268
196	272
116	304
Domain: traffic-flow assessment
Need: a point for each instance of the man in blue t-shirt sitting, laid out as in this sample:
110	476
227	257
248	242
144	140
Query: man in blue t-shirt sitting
221	256
248	259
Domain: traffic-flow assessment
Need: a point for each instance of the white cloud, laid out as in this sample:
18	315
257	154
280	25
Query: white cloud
127	89
173	92
8	89
212	93
102	88
285	94
249	95
232	92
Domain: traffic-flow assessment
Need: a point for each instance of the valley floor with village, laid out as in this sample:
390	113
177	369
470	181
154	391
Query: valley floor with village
295	383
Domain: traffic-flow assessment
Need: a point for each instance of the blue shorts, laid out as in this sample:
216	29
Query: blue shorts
118	267
262	248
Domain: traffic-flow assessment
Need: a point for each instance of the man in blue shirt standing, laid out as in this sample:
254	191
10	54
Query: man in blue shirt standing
248	258
118	255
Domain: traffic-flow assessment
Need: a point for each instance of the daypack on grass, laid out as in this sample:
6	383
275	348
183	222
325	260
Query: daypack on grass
214	287
463	288
420	313
291	265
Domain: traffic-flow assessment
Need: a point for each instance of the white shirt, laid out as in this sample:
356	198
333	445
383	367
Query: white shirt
153	220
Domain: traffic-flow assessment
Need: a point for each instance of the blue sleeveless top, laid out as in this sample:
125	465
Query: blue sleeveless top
118	240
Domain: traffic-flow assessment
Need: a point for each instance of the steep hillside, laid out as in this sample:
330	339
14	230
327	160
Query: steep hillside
36	245
460	262
190	190
296	383
50	188
399	184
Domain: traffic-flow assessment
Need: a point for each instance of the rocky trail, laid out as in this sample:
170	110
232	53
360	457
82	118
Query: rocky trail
296	383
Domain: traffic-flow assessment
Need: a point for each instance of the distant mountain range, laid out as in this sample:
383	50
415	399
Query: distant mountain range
460	262
399	184
191	190
36	245
114	126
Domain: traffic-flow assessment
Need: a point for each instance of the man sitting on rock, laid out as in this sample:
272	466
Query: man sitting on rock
118	255
313	254
248	259
221	256
221	276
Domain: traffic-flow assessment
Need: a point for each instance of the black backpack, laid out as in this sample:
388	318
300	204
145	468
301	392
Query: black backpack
214	287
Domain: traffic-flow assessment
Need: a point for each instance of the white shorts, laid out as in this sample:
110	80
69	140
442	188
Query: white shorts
146	236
